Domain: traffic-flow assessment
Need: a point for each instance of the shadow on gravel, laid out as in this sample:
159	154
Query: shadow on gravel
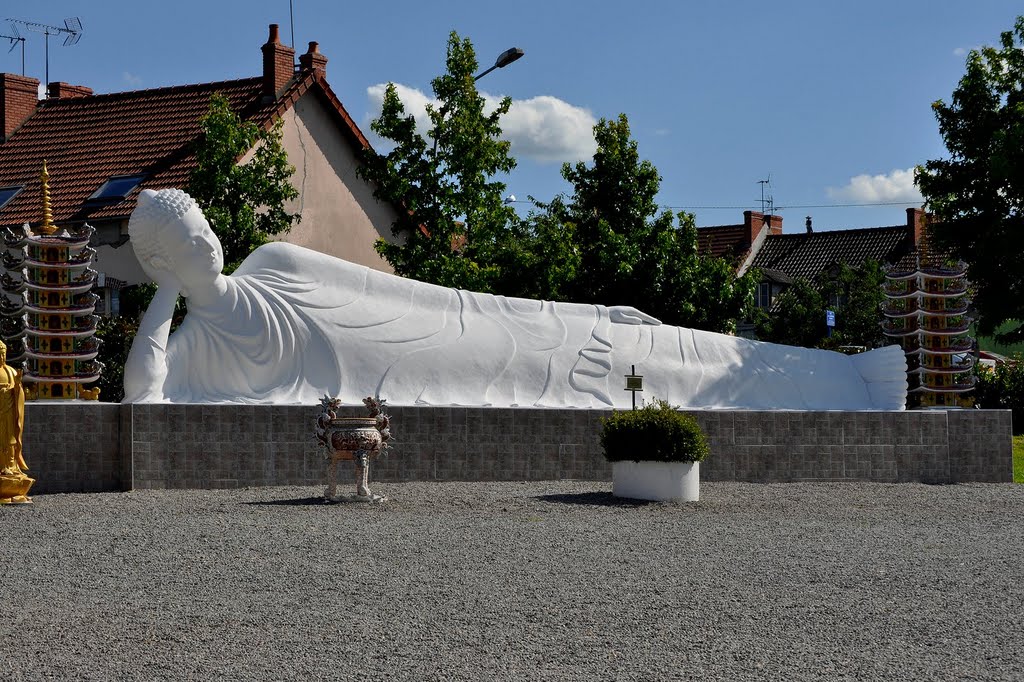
298	502
599	499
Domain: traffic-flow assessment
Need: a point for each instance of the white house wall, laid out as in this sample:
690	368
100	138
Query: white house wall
340	215
119	262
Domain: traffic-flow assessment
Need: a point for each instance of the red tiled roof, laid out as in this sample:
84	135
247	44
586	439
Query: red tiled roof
87	140
723	241
808	255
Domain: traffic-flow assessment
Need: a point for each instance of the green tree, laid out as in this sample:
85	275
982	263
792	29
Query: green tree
799	317
115	335
244	202
540	259
977	194
1003	389
629	252
856	296
456	229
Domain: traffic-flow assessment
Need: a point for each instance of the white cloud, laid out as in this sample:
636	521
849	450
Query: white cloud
131	79
960	51
542	128
895	186
548	129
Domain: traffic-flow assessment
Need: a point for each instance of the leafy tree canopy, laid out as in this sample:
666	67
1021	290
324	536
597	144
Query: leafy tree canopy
977	194
244	202
456	223
621	249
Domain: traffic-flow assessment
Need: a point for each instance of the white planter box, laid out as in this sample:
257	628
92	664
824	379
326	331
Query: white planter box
660	481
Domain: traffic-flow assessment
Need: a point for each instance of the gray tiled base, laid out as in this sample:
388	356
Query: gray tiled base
75	447
104	446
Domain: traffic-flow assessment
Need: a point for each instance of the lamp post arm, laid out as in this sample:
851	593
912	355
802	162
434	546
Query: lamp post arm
484	73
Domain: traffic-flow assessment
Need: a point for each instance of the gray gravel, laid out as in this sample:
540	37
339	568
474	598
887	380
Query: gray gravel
553	581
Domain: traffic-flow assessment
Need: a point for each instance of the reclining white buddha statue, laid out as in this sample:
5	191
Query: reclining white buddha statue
291	325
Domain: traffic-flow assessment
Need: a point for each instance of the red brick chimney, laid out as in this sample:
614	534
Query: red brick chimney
278	64
19	96
313	60
61	90
917	220
753	221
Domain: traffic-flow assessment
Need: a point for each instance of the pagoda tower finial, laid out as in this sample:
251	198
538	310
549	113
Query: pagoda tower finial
47	226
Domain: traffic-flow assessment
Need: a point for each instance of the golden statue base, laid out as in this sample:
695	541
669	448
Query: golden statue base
14	488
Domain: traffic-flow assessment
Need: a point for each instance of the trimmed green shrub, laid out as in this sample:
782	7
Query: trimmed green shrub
654	433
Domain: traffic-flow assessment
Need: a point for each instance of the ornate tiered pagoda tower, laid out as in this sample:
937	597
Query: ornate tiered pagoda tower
50	318
926	312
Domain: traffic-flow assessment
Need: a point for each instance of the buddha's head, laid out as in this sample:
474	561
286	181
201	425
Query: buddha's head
172	239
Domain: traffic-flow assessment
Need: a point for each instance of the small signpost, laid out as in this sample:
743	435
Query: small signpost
634	383
830	320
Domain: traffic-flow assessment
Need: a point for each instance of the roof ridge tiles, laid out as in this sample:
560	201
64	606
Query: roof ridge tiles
150	92
841	231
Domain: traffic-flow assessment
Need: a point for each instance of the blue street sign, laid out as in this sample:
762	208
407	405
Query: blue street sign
830	318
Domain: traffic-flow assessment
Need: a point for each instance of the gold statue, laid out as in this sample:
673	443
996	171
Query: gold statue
14	484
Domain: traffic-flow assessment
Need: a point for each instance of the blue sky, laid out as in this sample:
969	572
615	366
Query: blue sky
830	100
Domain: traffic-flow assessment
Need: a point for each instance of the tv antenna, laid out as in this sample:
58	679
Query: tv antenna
767	201
72	29
291	21
15	39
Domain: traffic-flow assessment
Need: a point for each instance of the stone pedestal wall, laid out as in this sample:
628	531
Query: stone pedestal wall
101	446
75	447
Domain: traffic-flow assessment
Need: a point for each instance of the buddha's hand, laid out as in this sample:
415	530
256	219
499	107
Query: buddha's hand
625	314
165	279
160	271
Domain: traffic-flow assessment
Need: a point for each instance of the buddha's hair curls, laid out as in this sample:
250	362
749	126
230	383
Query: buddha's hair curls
153	214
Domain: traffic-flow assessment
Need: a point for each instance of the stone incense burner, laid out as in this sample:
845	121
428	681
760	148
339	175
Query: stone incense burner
356	439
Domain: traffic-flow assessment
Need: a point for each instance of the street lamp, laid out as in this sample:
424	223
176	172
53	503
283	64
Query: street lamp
503	60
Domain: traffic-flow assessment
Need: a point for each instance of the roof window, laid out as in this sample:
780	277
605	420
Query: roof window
8	193
116	188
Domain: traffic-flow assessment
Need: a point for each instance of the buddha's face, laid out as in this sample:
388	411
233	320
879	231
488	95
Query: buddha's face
193	250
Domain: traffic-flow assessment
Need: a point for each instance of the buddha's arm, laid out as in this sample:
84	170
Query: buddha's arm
145	370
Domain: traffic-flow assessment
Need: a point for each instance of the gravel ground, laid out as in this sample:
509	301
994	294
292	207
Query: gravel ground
551	581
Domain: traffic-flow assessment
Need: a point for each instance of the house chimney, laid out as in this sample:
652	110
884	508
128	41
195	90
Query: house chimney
313	60
917	219
278	64
810	230
752	222
61	90
19	96
774	224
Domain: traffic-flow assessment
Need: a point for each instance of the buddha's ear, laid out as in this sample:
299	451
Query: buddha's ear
158	263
